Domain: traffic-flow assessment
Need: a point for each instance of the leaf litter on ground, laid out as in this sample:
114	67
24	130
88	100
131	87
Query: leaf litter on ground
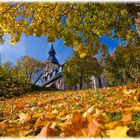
84	113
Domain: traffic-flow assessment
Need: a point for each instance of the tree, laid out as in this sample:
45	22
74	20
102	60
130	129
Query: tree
134	11
78	24
31	68
123	66
79	70
12	82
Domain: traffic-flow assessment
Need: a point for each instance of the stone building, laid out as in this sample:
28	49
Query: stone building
54	75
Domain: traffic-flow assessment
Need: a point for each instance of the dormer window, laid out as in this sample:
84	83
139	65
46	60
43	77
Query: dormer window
53	73
56	71
50	75
60	69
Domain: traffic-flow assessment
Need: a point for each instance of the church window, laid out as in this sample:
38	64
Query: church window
56	71
50	75
60	69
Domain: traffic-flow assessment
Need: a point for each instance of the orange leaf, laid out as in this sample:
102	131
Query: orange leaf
26	128
75	127
111	125
77	120
62	113
127	118
89	118
39	122
93	128
46	131
28	117
19	104
3	125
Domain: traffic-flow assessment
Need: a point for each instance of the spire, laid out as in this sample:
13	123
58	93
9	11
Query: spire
52	57
52	51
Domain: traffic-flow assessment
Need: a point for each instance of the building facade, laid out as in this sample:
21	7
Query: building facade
54	75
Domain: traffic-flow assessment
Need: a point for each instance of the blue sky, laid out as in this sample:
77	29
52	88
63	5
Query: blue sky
38	47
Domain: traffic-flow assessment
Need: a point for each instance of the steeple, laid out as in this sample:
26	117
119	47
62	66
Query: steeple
52	57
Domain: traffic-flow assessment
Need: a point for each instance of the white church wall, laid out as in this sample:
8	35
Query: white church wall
103	81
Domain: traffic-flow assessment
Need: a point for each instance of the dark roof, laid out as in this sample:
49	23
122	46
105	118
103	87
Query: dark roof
54	78
52	57
52	49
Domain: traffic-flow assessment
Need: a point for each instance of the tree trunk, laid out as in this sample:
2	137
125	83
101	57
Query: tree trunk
81	83
75	87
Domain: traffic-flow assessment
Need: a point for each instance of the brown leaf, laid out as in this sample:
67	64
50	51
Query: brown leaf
77	120
75	127
3	125
46	131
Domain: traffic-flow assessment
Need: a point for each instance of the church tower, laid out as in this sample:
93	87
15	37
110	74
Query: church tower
52	57
52	62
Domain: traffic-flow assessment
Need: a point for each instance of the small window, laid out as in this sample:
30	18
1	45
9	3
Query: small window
60	69
53	73
56	71
50	75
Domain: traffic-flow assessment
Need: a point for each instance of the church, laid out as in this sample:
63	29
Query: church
54	75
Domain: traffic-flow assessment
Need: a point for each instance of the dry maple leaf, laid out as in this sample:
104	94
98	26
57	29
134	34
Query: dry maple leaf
77	120
93	128
74	127
46	131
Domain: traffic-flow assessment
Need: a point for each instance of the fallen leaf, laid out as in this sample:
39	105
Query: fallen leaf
111	125
39	122
46	131
77	120
118	132
126	118
84	132
62	113
26	128
73	128
54	111
3	125
93	128
25	117
19	104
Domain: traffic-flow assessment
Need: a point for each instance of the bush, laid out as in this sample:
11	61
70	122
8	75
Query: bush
12	83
